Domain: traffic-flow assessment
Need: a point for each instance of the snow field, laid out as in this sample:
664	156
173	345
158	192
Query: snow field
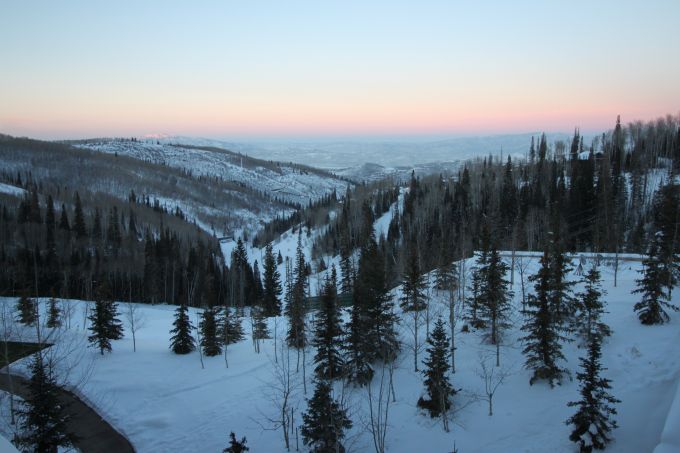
168	403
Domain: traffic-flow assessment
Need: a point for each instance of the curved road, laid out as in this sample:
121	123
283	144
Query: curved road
95	435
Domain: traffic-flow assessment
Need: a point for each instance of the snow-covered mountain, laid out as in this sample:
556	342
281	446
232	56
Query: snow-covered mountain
289	182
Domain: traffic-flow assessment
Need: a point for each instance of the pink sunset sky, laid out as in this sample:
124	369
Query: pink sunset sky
353	69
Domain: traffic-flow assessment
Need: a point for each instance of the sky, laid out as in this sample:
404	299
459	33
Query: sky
380	68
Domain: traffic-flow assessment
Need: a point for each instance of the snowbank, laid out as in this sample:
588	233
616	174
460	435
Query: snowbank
11	190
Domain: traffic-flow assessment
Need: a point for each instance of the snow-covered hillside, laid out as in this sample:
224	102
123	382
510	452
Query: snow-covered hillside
289	182
168	403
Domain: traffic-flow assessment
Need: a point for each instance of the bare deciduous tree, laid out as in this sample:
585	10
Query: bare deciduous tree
379	407
282	392
135	320
493	377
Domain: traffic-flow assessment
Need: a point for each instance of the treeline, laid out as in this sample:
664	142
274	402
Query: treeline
598	196
66	245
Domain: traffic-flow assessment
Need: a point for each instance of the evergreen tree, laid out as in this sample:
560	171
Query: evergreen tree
50	222
181	341
230	327
543	348
328	333
236	446
63	219
446	271
495	295
325	422
372	334
666	225
104	322
592	421
295	310
260	327
590	308
242	276
437	384
79	219
346	267
27	309
53	314
97	225
208	326
271	299
43	423
560	298
99	327
474	300
651	309
413	286
358	354
258	290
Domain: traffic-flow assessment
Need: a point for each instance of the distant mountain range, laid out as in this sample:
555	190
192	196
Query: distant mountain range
370	160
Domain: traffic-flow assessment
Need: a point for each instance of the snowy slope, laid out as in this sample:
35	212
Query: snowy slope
11	190
168	403
288	182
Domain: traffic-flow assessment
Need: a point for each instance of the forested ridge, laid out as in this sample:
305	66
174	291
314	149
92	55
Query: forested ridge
596	197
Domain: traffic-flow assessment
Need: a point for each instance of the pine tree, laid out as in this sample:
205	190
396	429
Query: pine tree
590	308
260	327
43	423
104	323
271	299
230	327
666	209
295	310
325	422
372	334
79	219
53	314
63	219
328	333
258	289
181	341
651	309
413	286
209	342
592	422
99	327
474	300
446	271
346	267
27	309
560	298
115	326
437	384
413	297
543	349
495	295
236	446
358	354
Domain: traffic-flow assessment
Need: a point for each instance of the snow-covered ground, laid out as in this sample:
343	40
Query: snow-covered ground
11	190
168	403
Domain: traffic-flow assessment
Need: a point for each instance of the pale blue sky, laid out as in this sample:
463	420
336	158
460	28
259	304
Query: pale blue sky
308	68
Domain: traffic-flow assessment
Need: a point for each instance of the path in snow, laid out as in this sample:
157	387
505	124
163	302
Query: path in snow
94	434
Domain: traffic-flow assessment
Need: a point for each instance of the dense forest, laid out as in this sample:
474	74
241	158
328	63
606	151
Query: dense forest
591	197
595	197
